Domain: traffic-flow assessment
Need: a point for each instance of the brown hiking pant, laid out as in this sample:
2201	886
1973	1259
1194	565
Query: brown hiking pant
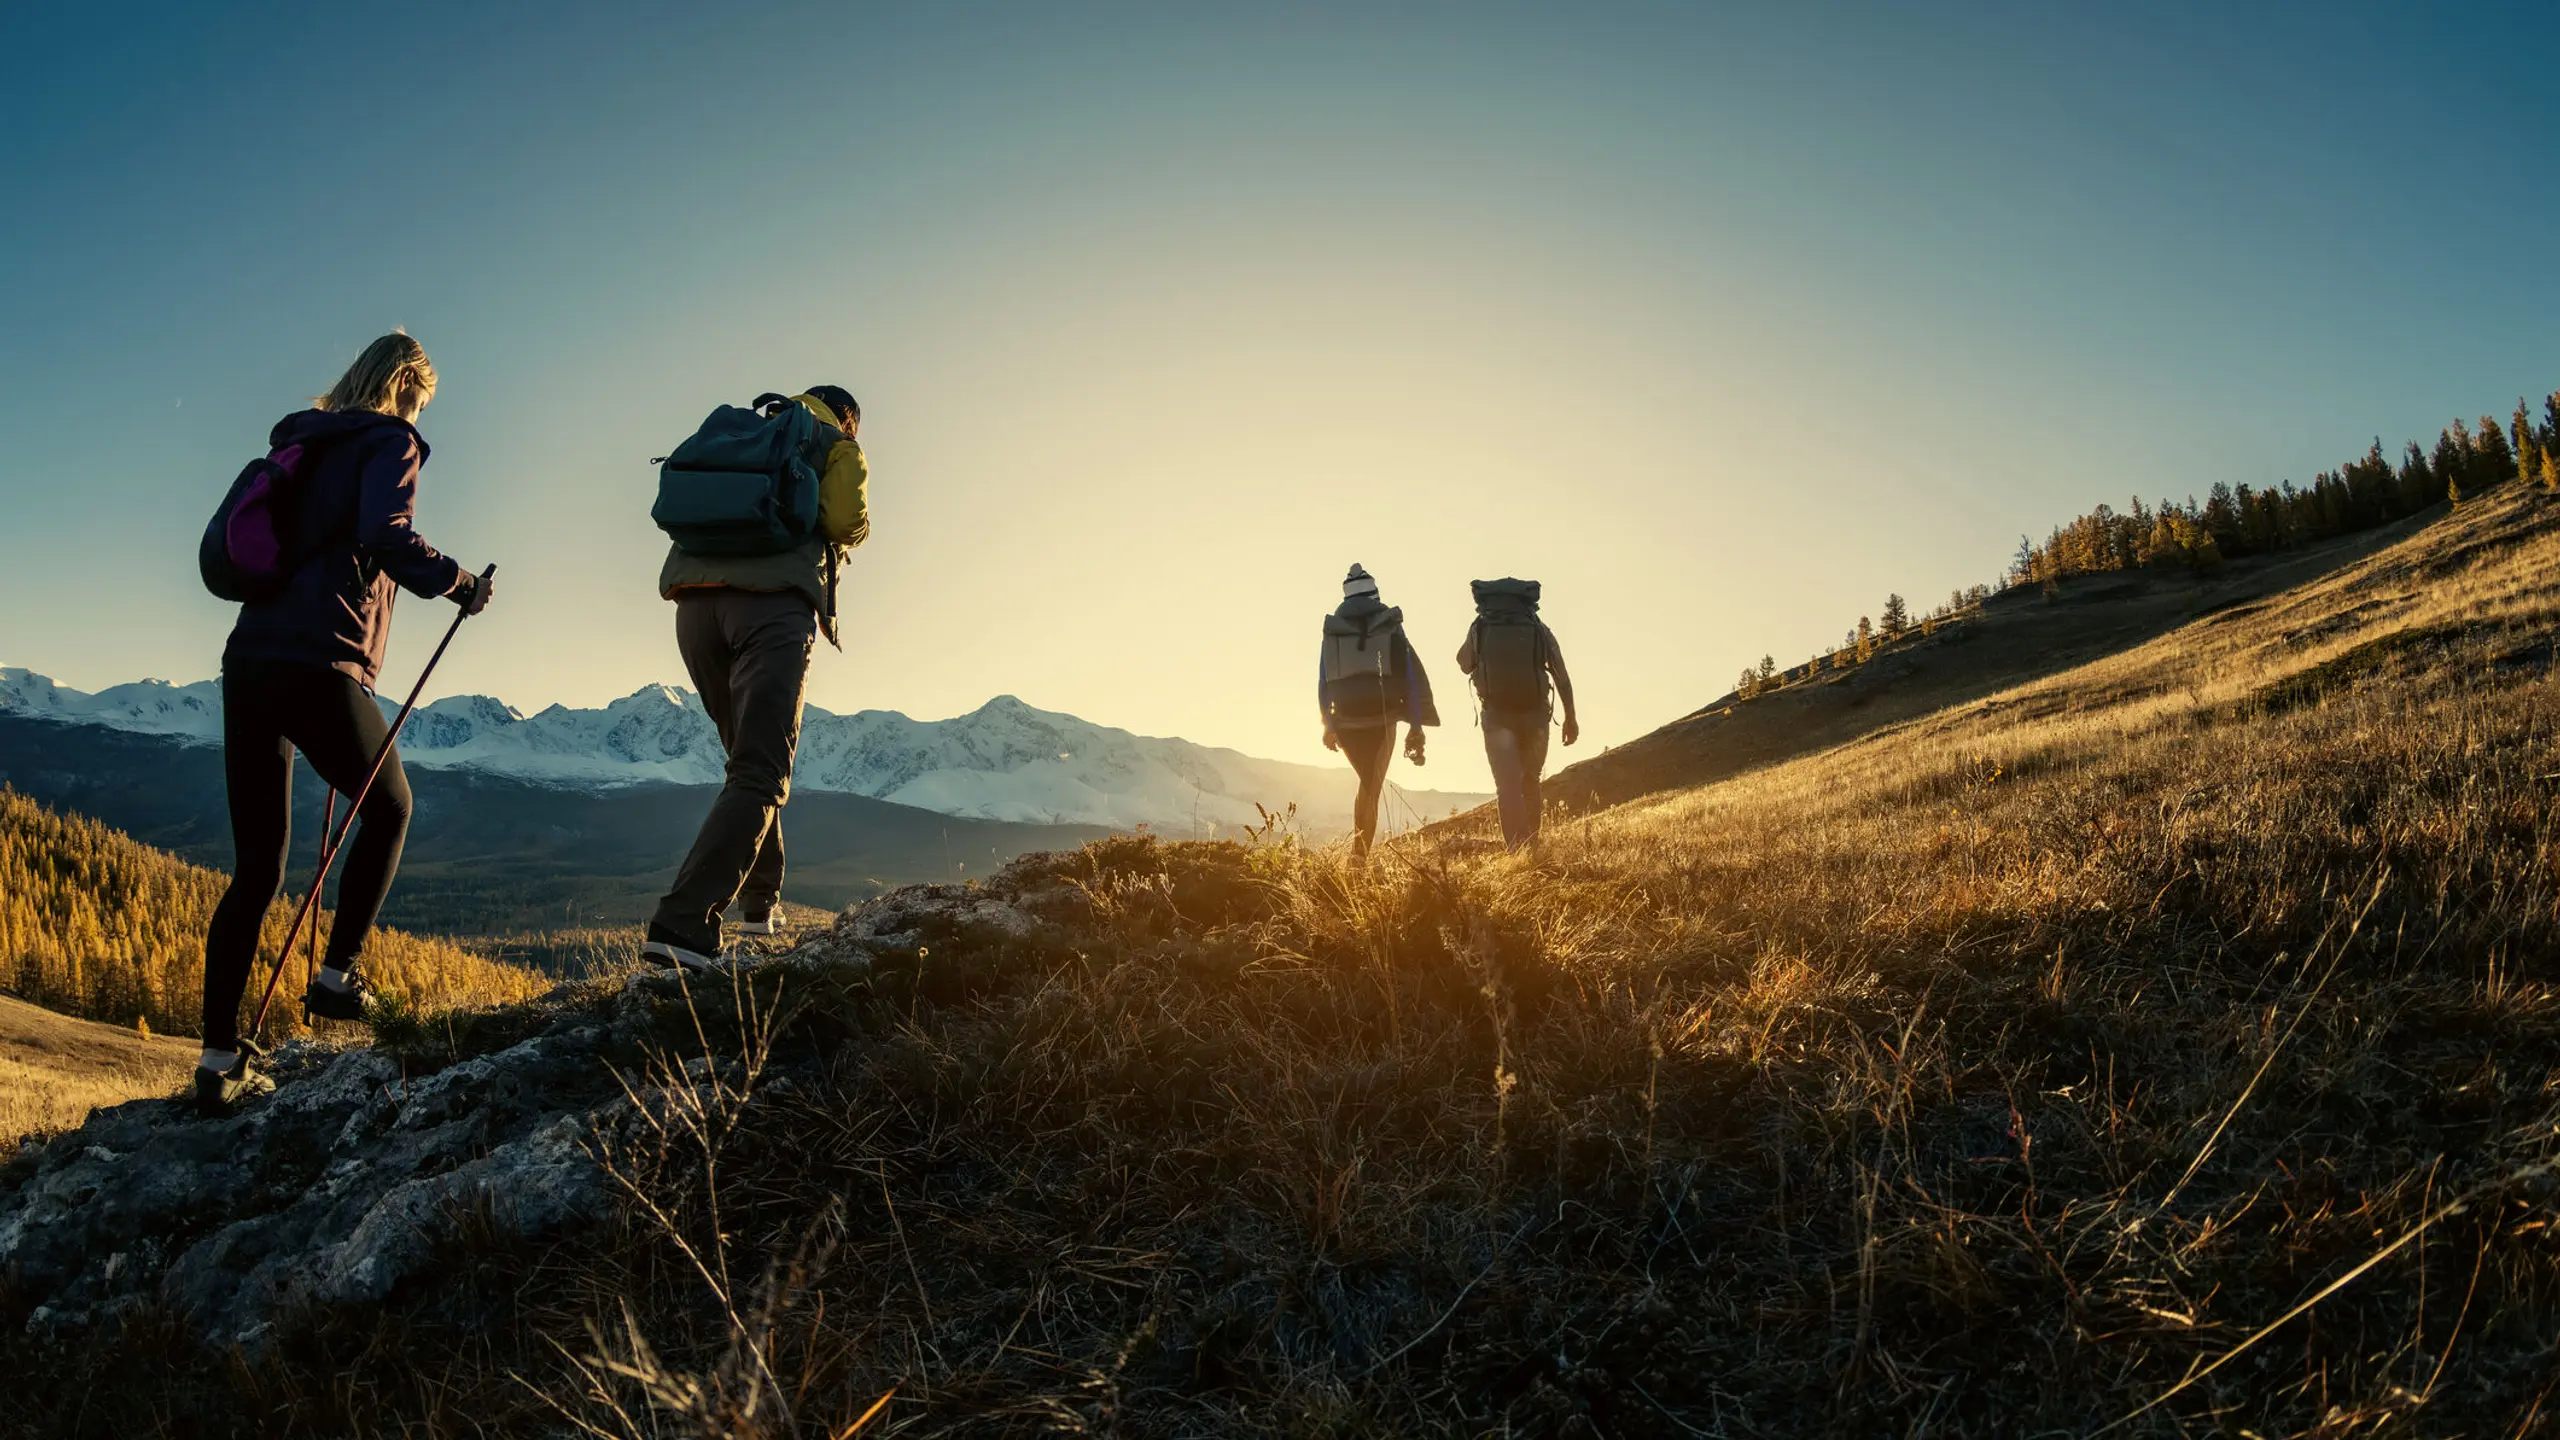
748	655
1516	747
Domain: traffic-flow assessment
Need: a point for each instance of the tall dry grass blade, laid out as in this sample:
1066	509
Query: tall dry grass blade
867	1416
2336	958
2425	1223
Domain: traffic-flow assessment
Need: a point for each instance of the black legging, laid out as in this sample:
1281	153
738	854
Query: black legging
269	709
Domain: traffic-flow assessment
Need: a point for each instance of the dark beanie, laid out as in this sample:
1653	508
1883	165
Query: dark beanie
838	400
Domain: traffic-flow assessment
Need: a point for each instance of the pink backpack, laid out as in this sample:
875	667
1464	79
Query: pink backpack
251	548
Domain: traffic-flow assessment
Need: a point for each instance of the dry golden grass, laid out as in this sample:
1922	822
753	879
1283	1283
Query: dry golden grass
54	1069
2014	640
2168	1047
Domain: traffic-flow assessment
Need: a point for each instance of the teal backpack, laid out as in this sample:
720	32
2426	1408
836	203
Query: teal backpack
746	482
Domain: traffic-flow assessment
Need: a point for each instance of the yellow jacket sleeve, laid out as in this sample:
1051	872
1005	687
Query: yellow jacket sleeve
844	499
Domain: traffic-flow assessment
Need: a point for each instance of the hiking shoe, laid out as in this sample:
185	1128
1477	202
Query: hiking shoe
319	1002
767	923
218	1091
661	945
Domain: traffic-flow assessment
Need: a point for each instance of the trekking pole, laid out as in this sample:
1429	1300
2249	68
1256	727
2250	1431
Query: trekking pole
329	856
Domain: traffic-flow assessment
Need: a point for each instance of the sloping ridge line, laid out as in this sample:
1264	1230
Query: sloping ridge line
2019	637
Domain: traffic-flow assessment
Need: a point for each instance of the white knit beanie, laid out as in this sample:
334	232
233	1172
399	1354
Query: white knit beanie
1358	583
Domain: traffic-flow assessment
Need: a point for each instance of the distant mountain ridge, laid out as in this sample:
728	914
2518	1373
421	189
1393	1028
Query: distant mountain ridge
1006	760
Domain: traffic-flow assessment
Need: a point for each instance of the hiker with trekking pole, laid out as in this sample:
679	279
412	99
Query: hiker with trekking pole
1513	658
759	505
315	540
1367	680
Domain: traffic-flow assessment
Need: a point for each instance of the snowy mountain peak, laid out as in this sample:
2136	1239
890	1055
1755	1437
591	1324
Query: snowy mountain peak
1005	760
663	696
151	707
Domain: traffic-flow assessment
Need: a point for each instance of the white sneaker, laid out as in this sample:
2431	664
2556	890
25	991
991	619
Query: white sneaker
769	923
683	959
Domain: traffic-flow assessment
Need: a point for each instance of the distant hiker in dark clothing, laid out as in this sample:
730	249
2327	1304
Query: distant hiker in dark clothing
750	605
298	673
1513	655
1368	679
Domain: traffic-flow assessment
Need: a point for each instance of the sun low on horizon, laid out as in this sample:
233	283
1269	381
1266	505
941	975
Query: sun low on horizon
1582	722
1722	325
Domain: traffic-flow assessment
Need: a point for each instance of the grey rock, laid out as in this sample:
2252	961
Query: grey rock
353	1175
338	1187
905	919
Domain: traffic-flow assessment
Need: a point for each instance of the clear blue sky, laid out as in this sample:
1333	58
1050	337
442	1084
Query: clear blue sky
1721	321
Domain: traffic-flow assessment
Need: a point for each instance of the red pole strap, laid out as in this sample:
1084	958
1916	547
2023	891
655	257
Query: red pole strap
329	855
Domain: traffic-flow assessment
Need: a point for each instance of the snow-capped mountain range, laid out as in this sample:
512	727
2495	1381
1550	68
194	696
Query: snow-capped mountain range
1003	761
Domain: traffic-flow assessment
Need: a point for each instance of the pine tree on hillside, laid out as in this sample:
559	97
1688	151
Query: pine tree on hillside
2452	460
2261	528
1864	639
2328	505
2492	461
1768	672
2222	516
2370	493
2419	487
2551	423
2528	444
1897	617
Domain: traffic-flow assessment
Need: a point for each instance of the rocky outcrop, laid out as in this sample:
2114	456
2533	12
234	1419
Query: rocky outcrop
335	1189
344	1184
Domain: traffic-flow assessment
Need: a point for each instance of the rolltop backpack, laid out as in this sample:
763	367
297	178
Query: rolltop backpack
254	542
746	481
1363	668
1511	657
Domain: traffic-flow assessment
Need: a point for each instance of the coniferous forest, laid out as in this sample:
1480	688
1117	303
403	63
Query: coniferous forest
2466	460
96	924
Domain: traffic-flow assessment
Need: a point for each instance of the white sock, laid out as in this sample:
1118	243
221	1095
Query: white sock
217	1060
333	979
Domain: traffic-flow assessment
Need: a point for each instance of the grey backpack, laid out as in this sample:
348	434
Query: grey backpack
1511	647
1363	666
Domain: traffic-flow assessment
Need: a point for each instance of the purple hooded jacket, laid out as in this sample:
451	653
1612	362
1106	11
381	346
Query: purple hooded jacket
336	610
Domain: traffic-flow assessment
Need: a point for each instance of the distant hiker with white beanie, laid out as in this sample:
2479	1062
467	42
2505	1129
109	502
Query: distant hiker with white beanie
1515	661
760	505
1367	680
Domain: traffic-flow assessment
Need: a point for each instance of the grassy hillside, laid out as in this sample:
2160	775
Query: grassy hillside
2168	1041
2102	582
53	1068
2014	637
95	925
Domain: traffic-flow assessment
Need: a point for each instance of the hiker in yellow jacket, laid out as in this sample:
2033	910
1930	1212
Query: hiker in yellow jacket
746	626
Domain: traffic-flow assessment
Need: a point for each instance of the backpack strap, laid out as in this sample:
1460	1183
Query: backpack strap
768	403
